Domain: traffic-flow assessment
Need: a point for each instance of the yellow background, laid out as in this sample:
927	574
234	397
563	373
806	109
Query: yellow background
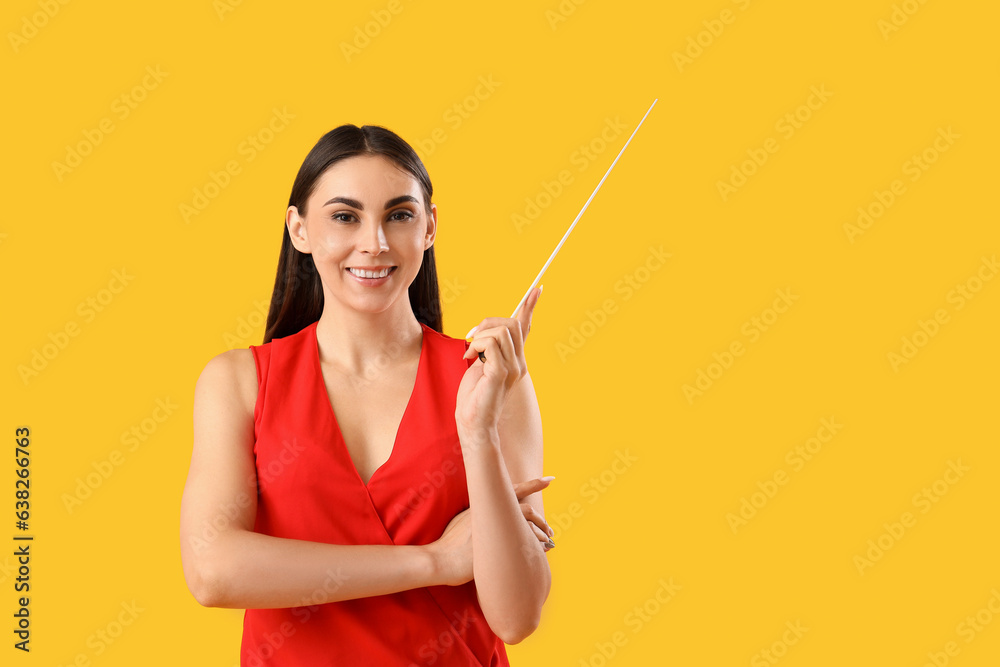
561	73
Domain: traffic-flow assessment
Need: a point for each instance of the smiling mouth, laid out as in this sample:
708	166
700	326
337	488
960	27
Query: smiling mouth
360	273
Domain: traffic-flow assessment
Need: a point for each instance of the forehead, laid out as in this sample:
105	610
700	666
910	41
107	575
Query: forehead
366	176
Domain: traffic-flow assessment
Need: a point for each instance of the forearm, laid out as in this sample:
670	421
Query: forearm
509	565
247	570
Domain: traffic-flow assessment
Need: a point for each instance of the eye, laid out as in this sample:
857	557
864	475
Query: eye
406	215
337	216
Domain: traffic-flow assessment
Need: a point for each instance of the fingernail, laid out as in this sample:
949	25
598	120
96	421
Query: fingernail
552	545
540	288
548	478
550	532
468	336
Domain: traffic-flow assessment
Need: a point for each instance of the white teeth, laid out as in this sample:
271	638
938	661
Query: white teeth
371	274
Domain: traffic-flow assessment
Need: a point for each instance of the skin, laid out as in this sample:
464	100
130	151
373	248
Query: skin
226	564
499	427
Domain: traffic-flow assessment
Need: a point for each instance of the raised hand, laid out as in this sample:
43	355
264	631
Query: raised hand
485	387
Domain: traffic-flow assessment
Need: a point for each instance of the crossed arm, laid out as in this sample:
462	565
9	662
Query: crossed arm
226	564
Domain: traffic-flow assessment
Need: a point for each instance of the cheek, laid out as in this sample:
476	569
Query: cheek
413	244
416	258
328	248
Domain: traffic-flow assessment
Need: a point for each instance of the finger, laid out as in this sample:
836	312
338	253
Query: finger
527	310
536	519
482	355
505	329
542	537
505	340
489	322
482	346
476	346
524	489
498	339
514	326
484	324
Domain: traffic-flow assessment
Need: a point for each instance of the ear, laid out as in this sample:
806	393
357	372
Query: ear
431	228
297	230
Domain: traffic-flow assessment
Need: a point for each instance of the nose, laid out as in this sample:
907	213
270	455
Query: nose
372	238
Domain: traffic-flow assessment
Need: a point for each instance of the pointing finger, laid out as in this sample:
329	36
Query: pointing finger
527	310
524	489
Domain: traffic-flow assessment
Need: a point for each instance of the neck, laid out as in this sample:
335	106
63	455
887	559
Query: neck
357	342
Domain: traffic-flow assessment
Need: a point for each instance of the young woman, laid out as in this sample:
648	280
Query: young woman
345	471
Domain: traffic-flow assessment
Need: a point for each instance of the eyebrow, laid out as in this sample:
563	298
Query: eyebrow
356	204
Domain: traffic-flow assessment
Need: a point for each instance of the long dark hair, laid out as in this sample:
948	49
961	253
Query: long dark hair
297	299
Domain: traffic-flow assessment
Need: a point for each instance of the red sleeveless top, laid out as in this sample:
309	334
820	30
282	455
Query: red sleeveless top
309	489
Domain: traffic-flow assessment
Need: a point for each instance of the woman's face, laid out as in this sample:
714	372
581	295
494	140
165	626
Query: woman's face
365	215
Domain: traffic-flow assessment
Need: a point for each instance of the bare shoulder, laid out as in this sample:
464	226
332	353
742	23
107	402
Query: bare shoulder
230	377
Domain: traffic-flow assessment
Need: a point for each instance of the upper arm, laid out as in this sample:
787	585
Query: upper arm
520	431
221	489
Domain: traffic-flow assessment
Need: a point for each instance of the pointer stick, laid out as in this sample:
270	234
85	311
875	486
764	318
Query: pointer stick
578	215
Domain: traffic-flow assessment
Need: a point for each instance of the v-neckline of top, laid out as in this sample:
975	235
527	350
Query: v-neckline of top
333	415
